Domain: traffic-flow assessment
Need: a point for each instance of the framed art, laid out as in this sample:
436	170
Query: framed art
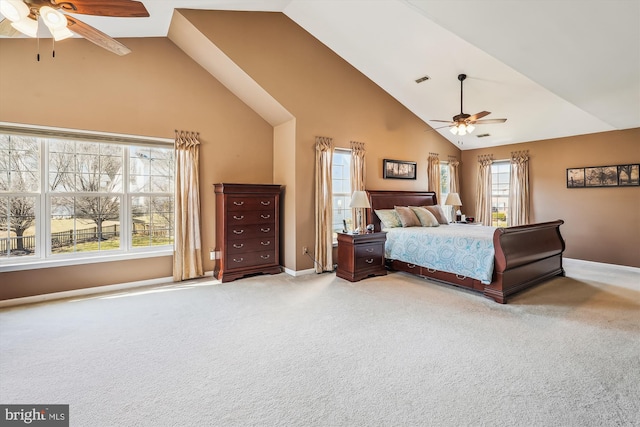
575	178
398	169
601	176
628	175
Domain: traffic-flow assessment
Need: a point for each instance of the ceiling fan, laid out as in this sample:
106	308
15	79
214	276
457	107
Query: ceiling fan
22	17
462	123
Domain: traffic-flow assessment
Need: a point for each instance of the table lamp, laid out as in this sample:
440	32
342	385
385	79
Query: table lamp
359	201
453	199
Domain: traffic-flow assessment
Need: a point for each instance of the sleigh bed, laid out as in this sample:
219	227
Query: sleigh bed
523	256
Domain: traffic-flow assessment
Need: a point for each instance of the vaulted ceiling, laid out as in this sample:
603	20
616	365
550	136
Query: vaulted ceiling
552	68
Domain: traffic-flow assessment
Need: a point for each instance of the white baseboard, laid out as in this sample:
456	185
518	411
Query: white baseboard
296	273
601	264
88	291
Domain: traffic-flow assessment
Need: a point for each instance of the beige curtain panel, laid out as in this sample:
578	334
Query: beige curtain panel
519	195
483	190
324	205
187	254
433	175
358	175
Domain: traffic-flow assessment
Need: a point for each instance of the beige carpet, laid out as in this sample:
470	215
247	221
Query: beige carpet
320	351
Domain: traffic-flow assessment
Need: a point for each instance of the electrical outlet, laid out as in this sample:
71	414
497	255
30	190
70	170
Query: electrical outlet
305	250
212	254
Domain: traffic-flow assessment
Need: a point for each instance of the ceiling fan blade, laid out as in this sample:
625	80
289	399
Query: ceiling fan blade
96	36
442	121
7	30
489	121
478	116
116	8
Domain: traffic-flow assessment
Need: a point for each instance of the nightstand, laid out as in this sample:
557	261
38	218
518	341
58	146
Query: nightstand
361	255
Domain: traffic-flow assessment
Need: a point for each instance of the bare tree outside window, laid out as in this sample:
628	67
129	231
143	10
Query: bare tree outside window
91	192
19	177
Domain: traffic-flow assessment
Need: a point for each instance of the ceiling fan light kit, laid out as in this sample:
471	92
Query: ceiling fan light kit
25	14
463	124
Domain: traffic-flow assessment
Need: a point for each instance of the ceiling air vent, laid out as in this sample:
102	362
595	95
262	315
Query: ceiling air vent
422	79
483	135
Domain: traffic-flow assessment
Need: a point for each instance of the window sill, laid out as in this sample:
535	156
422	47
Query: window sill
50	263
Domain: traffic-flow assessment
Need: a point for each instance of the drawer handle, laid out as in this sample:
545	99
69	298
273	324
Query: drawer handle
238	246
369	261
265	230
267	243
267	203
238	217
238	203
369	250
238	231
238	260
411	266
461	277
430	270
265	216
265	256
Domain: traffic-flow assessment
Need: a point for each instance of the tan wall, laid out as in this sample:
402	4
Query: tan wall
328	97
150	92
601	224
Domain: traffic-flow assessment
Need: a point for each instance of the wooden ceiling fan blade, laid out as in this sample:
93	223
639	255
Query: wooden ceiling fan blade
442	121
7	30
489	121
96	36
479	115
115	8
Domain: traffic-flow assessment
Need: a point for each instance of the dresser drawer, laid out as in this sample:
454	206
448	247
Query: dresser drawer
369	250
250	203
250	259
239	246
251	217
369	262
405	266
243	232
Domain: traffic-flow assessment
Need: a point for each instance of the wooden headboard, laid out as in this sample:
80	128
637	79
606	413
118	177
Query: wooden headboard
390	199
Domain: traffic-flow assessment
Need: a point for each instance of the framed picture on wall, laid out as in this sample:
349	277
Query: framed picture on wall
601	176
575	178
628	175
398	169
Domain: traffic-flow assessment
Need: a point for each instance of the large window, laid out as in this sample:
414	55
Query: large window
500	193
445	183
66	198
341	187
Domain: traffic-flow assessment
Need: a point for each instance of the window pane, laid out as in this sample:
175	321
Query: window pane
152	221
151	170
17	226
500	172
85	224
341	187
85	167
19	164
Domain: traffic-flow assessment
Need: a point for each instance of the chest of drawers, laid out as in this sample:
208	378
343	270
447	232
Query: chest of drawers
247	230
361	255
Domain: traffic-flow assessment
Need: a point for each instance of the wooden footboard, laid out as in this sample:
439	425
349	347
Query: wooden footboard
524	256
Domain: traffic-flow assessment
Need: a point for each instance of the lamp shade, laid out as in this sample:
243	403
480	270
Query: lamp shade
359	200
453	199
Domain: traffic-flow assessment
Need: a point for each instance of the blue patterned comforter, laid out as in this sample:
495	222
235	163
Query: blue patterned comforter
461	249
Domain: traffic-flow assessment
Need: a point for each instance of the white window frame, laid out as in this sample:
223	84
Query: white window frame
42	257
344	152
494	180
444	192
